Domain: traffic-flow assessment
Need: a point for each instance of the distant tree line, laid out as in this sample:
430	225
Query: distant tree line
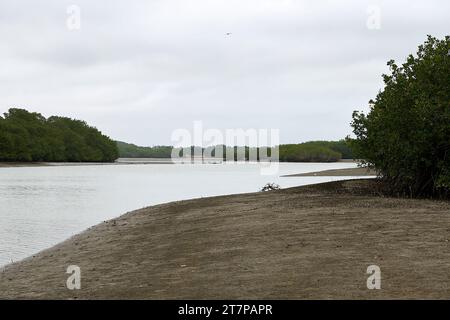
28	136
129	150
314	151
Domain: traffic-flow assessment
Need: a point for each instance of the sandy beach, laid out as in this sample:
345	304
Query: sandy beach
311	242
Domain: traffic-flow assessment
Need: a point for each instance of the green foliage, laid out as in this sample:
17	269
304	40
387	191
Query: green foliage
128	150
340	146
406	134
314	151
27	136
319	150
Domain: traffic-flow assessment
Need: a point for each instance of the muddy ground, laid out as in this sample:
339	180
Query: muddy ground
312	242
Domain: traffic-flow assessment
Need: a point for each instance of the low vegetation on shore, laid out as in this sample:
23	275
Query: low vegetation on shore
315	151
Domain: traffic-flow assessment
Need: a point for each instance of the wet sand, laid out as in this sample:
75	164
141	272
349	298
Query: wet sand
350	172
311	242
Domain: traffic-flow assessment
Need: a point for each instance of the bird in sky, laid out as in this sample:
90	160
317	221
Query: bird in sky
228	33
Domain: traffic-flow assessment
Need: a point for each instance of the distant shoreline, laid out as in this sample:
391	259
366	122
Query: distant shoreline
123	161
120	161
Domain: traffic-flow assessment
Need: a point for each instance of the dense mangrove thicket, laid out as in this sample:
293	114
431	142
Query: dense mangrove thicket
406	134
28	136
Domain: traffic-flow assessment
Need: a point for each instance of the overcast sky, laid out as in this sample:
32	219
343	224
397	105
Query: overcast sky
138	70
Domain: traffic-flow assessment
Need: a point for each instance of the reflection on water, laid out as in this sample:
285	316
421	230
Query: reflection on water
41	206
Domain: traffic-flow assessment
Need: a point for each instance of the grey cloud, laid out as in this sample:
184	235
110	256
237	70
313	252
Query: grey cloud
140	69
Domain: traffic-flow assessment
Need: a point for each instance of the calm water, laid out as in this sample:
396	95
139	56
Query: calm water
41	206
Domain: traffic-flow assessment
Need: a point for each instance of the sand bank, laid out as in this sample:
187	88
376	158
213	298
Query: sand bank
349	172
298	243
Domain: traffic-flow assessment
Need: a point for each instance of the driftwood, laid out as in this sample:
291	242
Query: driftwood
270	187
